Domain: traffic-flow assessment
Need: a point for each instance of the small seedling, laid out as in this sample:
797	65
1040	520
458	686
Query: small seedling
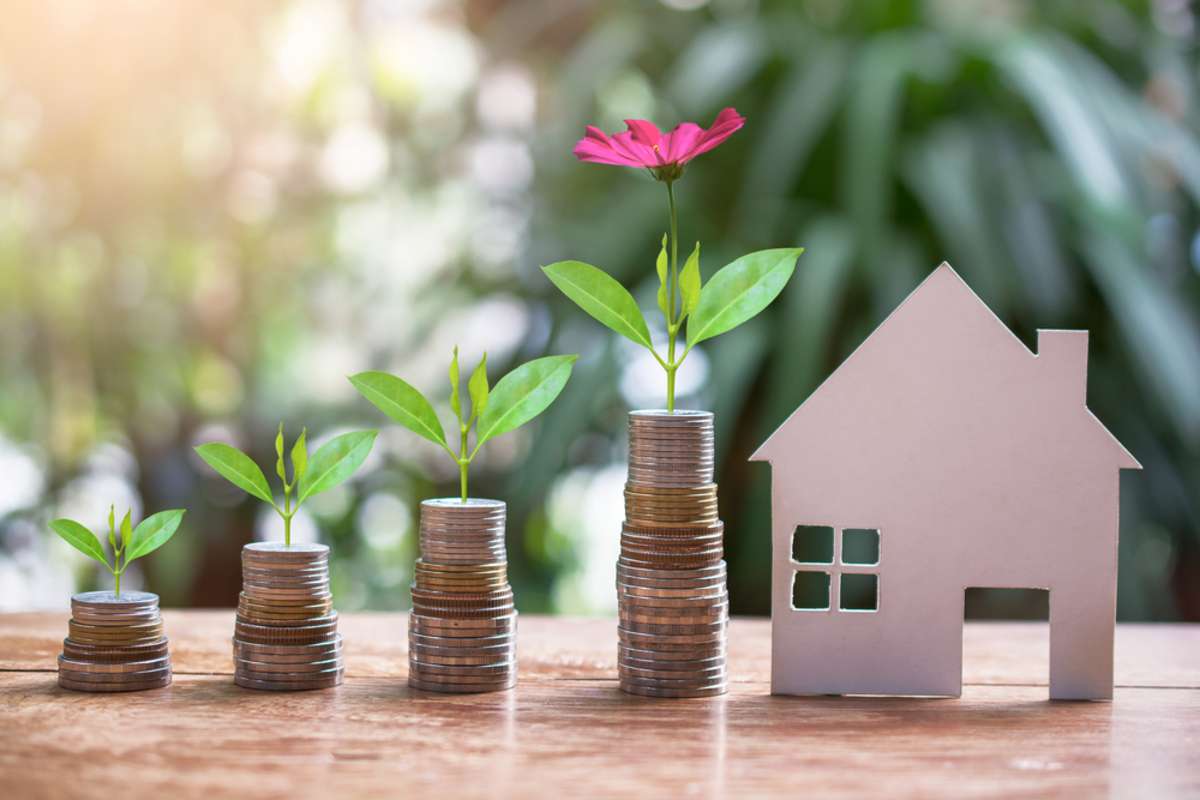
519	397
127	543
333	463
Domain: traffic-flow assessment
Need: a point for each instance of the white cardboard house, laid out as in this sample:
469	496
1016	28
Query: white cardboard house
960	459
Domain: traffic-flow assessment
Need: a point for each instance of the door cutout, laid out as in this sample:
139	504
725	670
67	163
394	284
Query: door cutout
1025	658
1012	604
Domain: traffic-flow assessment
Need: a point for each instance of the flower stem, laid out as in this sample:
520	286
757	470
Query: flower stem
672	290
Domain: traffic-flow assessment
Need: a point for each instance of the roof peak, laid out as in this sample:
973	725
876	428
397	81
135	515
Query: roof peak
943	272
938	297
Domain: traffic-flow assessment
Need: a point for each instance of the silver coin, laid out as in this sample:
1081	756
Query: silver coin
250	682
449	688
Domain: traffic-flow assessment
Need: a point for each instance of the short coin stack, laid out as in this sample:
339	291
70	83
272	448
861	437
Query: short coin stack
115	644
286	637
463	628
671	590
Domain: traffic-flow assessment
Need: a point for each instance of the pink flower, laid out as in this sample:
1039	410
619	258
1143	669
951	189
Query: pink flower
664	154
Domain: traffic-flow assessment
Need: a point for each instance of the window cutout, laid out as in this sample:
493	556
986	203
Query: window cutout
860	546
812	544
859	592
810	591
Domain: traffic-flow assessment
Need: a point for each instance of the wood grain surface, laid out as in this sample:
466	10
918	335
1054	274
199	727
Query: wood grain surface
567	731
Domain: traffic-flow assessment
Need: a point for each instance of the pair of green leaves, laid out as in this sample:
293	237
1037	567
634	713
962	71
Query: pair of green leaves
519	397
516	399
735	294
333	463
127	543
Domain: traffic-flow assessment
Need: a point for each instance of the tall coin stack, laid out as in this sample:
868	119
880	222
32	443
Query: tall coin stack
115	644
286	637
671	591
463	628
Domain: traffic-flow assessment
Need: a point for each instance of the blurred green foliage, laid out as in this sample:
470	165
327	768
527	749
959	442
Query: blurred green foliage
211	214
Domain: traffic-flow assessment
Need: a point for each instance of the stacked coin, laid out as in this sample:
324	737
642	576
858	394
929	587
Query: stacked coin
671	590
463	628
285	636
115	644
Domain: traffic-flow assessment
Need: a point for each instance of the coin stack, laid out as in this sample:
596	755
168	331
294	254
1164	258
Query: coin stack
671	591
115	644
286	637
463	628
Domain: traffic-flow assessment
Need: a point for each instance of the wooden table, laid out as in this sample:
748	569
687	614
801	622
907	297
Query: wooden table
567	731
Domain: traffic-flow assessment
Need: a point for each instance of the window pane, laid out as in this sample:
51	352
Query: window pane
813	544
860	546
860	593
810	591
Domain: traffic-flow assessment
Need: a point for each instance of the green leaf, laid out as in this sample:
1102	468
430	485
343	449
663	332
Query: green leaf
80	538
455	401
660	266
523	394
236	467
601	296
112	530
126	529
401	402
478	387
279	455
153	532
740	290
335	461
300	457
689	282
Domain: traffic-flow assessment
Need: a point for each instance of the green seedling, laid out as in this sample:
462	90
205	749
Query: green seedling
127	542
519	397
333	463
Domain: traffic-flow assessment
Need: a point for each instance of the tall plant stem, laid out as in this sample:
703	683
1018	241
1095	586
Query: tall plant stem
117	584
287	517
672	290
463	462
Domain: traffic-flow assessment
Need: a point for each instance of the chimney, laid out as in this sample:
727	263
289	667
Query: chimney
1062	361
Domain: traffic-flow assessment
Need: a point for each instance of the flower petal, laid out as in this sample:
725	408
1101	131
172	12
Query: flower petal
678	144
586	150
644	131
596	147
725	125
625	144
592	132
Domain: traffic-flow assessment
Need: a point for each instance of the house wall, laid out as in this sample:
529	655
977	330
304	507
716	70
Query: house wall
910	645
930	552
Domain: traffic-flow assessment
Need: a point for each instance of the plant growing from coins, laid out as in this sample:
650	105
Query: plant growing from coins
735	294
334	462
127	542
519	397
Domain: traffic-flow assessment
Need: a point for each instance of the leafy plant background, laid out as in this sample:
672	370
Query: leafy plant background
211	214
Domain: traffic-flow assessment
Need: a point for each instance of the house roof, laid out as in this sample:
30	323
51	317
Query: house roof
943	312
